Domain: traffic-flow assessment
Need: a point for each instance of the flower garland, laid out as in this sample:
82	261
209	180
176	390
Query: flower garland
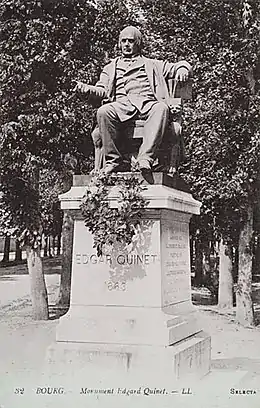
111	225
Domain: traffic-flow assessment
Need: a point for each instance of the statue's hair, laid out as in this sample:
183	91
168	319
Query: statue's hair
135	32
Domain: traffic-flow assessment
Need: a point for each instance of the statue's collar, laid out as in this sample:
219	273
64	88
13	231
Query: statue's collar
133	58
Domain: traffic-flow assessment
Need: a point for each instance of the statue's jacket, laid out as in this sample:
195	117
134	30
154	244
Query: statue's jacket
159	73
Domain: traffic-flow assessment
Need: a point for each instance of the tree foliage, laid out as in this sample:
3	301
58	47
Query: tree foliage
221	39
45	47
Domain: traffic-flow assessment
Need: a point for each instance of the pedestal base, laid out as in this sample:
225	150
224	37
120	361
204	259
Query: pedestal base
112	365
127	325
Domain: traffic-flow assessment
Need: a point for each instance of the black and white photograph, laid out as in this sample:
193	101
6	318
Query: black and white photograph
129	203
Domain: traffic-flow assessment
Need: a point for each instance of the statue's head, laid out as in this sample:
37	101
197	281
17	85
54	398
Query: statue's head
130	41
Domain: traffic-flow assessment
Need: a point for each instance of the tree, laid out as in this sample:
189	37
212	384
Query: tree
245	312
42	45
225	293
222	133
65	284
7	244
18	251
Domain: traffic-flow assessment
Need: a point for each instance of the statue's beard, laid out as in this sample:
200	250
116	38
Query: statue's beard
130	53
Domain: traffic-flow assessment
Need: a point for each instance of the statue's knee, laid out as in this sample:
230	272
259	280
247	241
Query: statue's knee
96	137
103	111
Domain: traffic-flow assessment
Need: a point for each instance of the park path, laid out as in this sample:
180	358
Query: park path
15	285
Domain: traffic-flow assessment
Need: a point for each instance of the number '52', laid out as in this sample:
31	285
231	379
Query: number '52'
19	391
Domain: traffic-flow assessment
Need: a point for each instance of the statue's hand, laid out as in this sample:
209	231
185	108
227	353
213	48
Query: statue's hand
182	74
81	87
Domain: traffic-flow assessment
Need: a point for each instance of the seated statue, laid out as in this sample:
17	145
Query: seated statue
139	97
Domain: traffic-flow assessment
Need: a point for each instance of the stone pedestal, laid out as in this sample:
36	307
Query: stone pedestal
131	311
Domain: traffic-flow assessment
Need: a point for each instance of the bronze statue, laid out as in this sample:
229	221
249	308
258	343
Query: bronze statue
134	89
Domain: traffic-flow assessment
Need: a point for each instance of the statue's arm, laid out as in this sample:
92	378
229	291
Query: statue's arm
174	70
103	81
95	94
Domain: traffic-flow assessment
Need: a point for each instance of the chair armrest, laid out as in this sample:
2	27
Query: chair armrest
179	90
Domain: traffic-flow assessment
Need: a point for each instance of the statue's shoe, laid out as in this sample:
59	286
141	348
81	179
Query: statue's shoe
110	168
146	171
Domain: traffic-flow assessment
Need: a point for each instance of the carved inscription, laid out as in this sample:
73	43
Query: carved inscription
118	285
175	262
120	266
120	259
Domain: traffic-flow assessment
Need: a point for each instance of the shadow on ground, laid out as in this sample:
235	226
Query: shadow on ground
50	265
8	278
202	296
237	363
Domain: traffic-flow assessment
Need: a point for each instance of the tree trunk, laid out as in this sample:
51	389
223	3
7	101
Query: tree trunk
49	247
236	261
244	304
37	284
54	243
7	245
257	257
256	260
18	251
45	249
225	289
198	263
58	243
67	247
256	267
205	259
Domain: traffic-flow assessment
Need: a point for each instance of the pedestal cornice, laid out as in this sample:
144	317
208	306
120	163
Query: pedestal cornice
158	196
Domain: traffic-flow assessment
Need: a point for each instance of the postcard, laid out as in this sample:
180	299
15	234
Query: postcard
129	204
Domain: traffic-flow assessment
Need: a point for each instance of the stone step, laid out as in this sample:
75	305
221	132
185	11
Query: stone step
188	359
182	330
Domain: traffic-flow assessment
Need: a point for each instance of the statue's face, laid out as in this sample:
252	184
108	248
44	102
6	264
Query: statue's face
128	45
